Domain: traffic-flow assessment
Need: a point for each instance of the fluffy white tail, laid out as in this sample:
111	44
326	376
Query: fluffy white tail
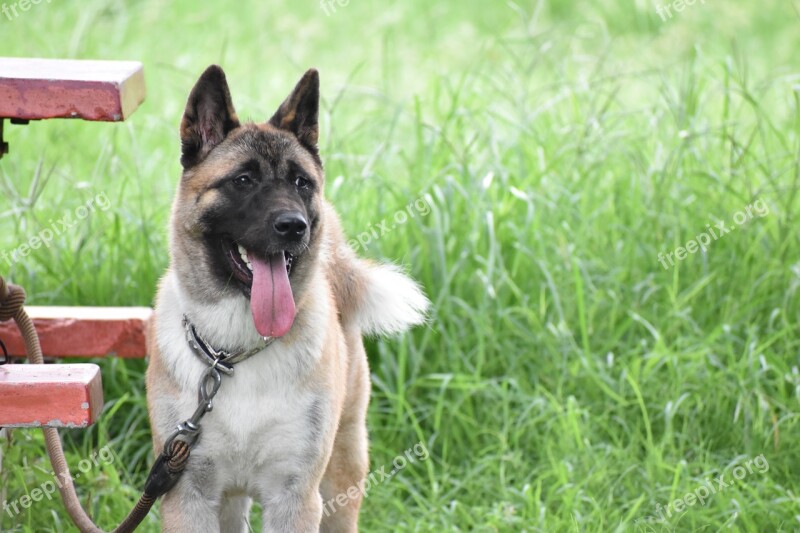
391	303
379	298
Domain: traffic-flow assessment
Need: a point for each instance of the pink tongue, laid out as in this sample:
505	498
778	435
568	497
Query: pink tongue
271	297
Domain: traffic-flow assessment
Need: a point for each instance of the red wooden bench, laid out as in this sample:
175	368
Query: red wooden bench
37	89
67	395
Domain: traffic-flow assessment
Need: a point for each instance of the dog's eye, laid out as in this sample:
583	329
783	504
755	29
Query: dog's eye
242	181
301	183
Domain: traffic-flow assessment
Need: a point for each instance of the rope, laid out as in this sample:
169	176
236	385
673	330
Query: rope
12	298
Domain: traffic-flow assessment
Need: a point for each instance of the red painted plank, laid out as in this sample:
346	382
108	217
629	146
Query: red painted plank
83	331
58	396
35	89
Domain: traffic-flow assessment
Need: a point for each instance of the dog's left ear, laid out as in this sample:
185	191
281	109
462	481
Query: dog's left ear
299	113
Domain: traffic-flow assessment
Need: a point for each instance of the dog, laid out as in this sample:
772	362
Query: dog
259	264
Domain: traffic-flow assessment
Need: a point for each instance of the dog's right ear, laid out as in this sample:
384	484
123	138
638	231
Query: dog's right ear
208	118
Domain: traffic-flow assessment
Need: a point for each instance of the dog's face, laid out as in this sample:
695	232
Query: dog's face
247	218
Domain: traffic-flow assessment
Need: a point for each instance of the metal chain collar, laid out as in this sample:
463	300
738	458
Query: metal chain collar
220	362
224	359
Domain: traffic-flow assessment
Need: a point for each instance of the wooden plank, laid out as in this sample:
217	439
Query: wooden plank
33	89
83	331
57	396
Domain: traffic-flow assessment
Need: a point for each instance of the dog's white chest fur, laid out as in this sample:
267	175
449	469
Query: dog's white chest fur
266	423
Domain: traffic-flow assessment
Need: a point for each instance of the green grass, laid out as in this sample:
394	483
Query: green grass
567	382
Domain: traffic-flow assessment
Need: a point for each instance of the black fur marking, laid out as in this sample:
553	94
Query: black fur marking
246	214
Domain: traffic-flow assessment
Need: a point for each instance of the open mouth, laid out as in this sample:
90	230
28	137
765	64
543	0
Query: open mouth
242	266
265	281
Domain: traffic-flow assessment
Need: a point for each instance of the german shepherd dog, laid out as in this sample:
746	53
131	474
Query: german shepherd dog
258	258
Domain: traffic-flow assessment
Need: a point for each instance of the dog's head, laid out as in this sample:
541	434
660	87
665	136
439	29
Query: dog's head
247	216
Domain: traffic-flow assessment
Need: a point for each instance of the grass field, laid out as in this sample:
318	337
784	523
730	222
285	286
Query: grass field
567	381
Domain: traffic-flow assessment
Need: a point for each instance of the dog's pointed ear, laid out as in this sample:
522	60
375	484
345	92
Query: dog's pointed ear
208	118
299	113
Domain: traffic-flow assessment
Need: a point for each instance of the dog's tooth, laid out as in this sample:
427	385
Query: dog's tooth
243	254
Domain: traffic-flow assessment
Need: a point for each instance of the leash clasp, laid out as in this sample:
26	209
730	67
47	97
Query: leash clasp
190	428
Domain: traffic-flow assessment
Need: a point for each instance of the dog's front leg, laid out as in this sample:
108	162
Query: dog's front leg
292	511
193	504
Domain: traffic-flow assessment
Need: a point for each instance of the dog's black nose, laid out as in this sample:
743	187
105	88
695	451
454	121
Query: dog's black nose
290	225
